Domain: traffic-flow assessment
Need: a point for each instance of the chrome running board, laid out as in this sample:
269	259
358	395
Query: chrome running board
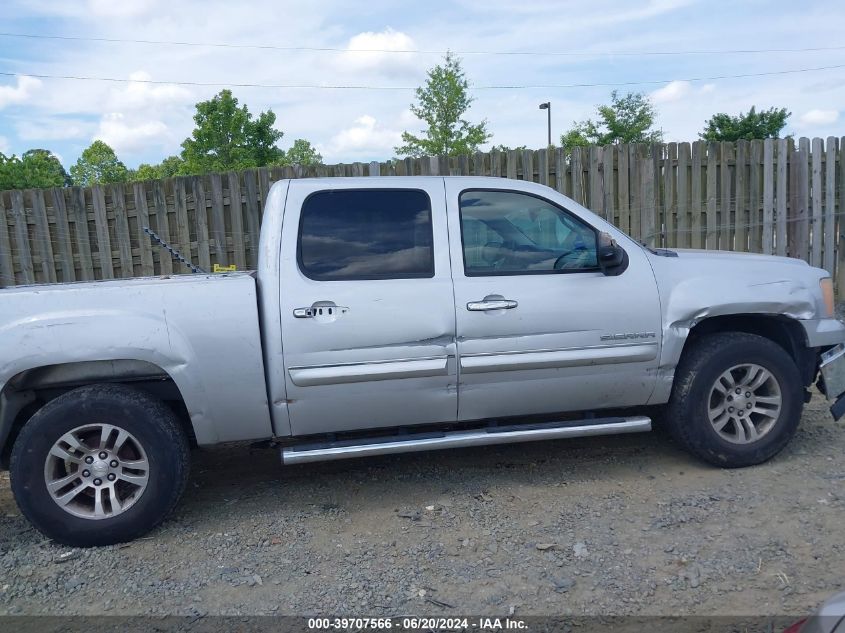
409	443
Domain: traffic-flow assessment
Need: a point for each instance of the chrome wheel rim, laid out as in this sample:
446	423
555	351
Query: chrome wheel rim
745	403
96	471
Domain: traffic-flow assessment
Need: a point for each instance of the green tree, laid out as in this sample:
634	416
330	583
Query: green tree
167	168
441	103
43	169
302	153
627	119
227	136
36	168
11	175
505	148
753	125
98	164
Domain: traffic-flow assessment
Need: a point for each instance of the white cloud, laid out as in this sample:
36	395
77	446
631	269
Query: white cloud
366	138
90	8
129	136
5	148
122	9
365	53
140	95
52	129
818	117
21	93
673	91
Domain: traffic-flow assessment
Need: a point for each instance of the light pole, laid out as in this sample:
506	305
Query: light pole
547	106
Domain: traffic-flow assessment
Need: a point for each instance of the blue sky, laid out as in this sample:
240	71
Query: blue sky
146	122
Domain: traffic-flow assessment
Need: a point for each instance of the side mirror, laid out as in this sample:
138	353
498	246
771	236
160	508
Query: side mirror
612	258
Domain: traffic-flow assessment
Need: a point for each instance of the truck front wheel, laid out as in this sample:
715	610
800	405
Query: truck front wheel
99	465
736	401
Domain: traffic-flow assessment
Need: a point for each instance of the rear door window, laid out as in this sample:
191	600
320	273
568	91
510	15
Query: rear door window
366	234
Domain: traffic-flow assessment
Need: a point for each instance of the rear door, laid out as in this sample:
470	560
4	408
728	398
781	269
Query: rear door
540	328
368	318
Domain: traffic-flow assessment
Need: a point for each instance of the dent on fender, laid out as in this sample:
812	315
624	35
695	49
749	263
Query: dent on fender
693	300
696	299
689	301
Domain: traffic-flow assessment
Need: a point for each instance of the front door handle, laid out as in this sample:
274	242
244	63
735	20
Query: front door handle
491	304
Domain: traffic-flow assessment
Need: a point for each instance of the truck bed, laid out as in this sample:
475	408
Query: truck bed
200	330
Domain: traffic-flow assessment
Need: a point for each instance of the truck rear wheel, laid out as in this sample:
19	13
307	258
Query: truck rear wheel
736	401
99	465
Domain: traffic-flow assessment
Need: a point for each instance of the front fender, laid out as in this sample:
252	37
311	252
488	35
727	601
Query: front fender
694	300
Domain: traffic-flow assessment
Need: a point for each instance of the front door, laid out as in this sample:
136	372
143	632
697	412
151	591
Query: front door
368	318
540	328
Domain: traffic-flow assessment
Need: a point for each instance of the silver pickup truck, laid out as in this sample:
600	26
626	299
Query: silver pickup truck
401	314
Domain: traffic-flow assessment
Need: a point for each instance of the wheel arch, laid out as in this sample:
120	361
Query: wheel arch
680	336
783	330
28	390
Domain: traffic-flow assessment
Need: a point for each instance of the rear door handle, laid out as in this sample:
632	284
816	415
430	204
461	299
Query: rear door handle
320	310
491	304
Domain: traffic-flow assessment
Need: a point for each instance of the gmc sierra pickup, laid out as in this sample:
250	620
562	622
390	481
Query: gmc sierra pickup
401	314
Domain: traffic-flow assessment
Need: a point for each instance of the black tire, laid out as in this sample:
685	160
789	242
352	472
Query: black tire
686	416
146	418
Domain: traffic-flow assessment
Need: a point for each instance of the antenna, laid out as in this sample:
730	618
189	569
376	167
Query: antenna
173	252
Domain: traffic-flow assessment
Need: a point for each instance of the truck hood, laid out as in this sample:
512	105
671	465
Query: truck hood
705	257
696	284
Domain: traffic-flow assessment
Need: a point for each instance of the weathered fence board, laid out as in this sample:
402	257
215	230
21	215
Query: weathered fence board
768	195
162	226
236	215
43	246
781	214
121	229
670	207
183	229
7	266
840	242
830	204
726	232
218	220
101	223
253	216
754	204
607	184
624	208
142	217
772	196
683	223
711	239
740	215
24	251
816	222
801	217
62	233
82	242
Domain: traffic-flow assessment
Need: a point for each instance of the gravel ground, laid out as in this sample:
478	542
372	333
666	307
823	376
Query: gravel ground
614	526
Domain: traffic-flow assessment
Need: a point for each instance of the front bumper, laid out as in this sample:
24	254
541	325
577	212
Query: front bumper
832	383
823	332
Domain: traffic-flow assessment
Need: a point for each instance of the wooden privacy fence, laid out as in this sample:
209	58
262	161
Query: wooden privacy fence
775	196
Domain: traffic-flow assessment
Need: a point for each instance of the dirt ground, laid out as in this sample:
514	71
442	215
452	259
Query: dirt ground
613	526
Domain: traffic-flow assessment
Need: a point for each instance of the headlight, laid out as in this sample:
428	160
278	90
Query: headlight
826	286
